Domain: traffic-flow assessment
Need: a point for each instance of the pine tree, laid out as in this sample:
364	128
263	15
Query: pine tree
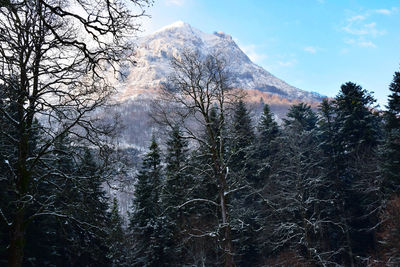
176	191
116	239
265	146
242	137
391	147
203	248
389	234
336	235
357	124
355	139
145	223
301	117
295	192
242	176
8	163
92	208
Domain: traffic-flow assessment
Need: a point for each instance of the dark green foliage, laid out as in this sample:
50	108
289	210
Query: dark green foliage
267	127
8	158
242	136
265	147
296	192
356	123
301	117
349	135
145	222
76	234
242	176
393	112
118	249
147	190
176	191
391	147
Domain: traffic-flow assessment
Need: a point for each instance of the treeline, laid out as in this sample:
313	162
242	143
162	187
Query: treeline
322	189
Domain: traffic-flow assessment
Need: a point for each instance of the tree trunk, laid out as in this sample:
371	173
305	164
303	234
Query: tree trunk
17	240
227	242
17	229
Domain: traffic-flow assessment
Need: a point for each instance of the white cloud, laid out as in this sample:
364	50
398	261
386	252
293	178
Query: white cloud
358	17
360	42
287	63
366	44
253	54
252	51
360	26
363	29
385	11
311	49
175	2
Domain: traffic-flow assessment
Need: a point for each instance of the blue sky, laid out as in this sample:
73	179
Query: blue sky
315	45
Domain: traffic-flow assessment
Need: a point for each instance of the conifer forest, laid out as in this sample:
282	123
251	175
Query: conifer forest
219	181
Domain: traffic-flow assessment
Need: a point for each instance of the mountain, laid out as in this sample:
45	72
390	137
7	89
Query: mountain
154	52
138	83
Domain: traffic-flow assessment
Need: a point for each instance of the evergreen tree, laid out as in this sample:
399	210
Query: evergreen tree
357	125
389	234
265	147
205	250
391	148
8	163
265	150
243	177
337	233
355	139
241	138
301	117
75	234
118	251
176	191
327	128
92	209
145	223
295	192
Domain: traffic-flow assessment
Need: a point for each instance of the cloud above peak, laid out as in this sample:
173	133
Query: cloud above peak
175	2
362	29
311	49
385	11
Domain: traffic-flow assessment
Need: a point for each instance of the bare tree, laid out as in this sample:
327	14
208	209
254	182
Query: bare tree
52	54
199	85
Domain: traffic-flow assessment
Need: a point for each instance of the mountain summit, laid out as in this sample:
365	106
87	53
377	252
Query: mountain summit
154	52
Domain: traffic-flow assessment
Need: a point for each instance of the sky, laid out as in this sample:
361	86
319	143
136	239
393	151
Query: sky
315	45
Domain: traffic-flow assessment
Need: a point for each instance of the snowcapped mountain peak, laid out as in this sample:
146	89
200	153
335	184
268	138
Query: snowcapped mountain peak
176	24
223	35
155	51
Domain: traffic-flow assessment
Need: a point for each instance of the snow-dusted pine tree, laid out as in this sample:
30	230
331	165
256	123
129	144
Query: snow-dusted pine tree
391	153
145	223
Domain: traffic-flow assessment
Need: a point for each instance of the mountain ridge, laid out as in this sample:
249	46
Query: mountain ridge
155	51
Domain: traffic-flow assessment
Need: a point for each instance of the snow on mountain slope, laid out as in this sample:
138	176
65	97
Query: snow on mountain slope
154	52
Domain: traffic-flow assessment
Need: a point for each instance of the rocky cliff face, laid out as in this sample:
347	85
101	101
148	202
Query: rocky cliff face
154	52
